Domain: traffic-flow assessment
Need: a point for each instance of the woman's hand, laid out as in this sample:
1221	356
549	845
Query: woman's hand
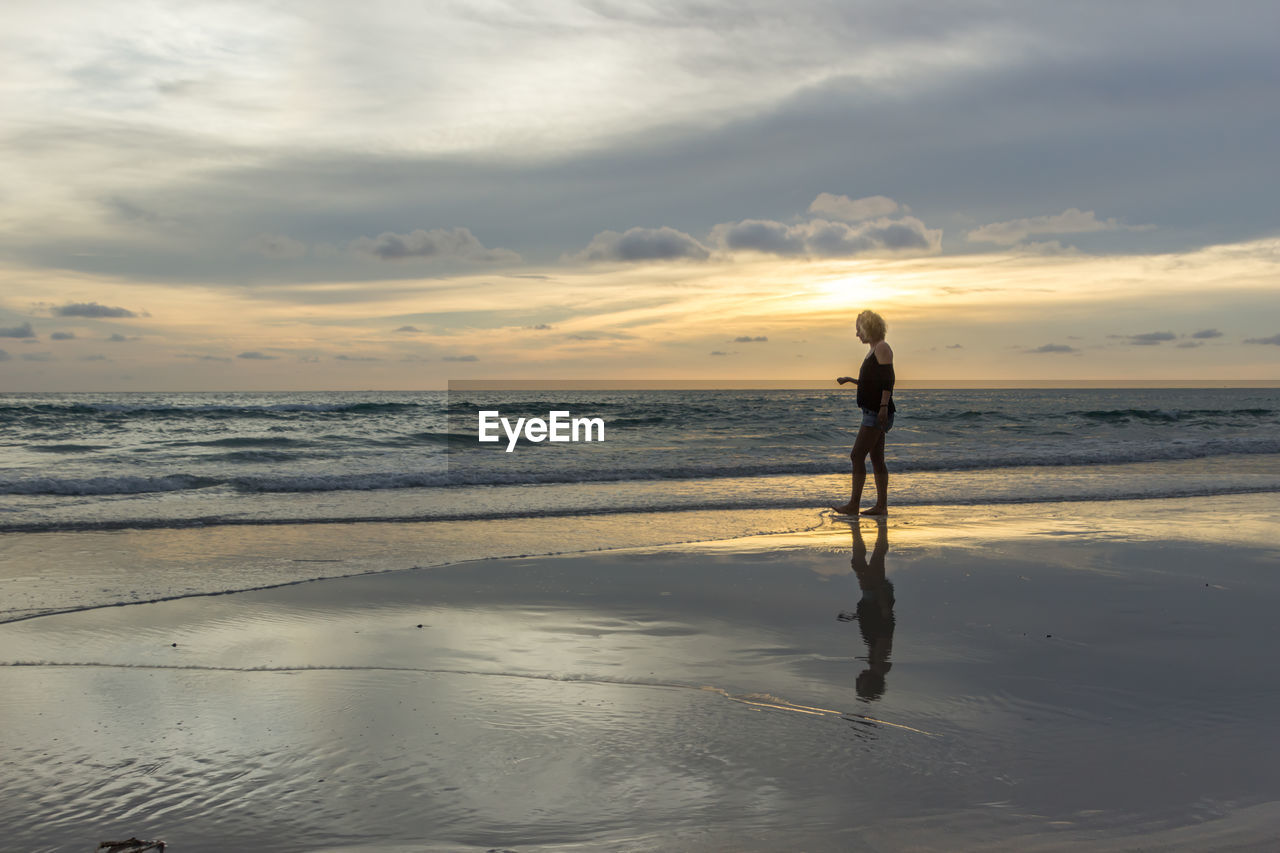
882	419
843	379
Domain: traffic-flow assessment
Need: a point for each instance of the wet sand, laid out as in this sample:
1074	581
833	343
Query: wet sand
1029	677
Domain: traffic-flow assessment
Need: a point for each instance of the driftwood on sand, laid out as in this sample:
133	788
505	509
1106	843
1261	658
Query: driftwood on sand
131	845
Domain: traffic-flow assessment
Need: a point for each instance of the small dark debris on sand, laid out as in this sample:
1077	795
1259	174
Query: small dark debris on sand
132	845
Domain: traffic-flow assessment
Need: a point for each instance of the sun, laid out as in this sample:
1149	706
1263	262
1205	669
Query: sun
844	291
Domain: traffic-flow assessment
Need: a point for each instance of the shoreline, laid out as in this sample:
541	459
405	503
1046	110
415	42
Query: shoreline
151	565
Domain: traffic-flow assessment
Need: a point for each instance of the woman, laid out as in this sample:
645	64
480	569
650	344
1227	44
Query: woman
875	398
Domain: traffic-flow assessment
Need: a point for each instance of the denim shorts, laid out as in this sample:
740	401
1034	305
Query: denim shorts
871	419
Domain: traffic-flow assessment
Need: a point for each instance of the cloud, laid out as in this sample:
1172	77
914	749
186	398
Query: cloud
23	331
853	210
37	356
821	237
955	346
1048	248
345	357
134	213
1150	339
1070	221
118	338
541	327
1054	348
94	358
1189	344
747	339
643	244
277	246
454	243
202	357
254	355
760	235
718	352
63	336
461	358
599	336
92	309
4	356
1274	340
1207	333
408	329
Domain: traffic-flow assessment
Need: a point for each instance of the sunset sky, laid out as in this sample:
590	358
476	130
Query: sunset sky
388	195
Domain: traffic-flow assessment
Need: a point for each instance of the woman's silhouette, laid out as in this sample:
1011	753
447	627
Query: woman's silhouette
875	398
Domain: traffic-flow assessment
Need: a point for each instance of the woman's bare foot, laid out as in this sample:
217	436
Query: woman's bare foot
878	509
847	509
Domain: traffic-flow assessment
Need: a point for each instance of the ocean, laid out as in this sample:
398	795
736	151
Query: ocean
108	461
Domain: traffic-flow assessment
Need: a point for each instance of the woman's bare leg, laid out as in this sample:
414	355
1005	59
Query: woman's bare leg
881	473
862	445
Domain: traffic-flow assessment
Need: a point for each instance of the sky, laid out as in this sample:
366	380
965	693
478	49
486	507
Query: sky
391	195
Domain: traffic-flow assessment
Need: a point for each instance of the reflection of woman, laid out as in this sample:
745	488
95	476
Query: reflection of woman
874	612
875	399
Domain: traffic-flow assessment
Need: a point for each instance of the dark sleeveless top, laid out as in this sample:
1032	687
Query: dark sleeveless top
874	378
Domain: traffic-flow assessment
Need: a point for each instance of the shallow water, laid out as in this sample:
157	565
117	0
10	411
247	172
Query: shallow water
702	697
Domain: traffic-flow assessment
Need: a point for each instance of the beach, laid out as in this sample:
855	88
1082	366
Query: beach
448	428
1032	676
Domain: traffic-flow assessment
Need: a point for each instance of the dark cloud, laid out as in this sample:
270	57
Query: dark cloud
760	236
1050	348
461	358
62	336
458	243
118	338
1207	333
23	331
955	346
91	309
541	327
1274	340
747	339
1189	344
408	329
94	358
254	355
345	357
718	352
37	356
644	244
823	238
1149	339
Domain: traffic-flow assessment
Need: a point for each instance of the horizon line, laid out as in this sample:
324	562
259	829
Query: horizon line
704	384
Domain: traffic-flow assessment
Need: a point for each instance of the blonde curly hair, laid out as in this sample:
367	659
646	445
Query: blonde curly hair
873	325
